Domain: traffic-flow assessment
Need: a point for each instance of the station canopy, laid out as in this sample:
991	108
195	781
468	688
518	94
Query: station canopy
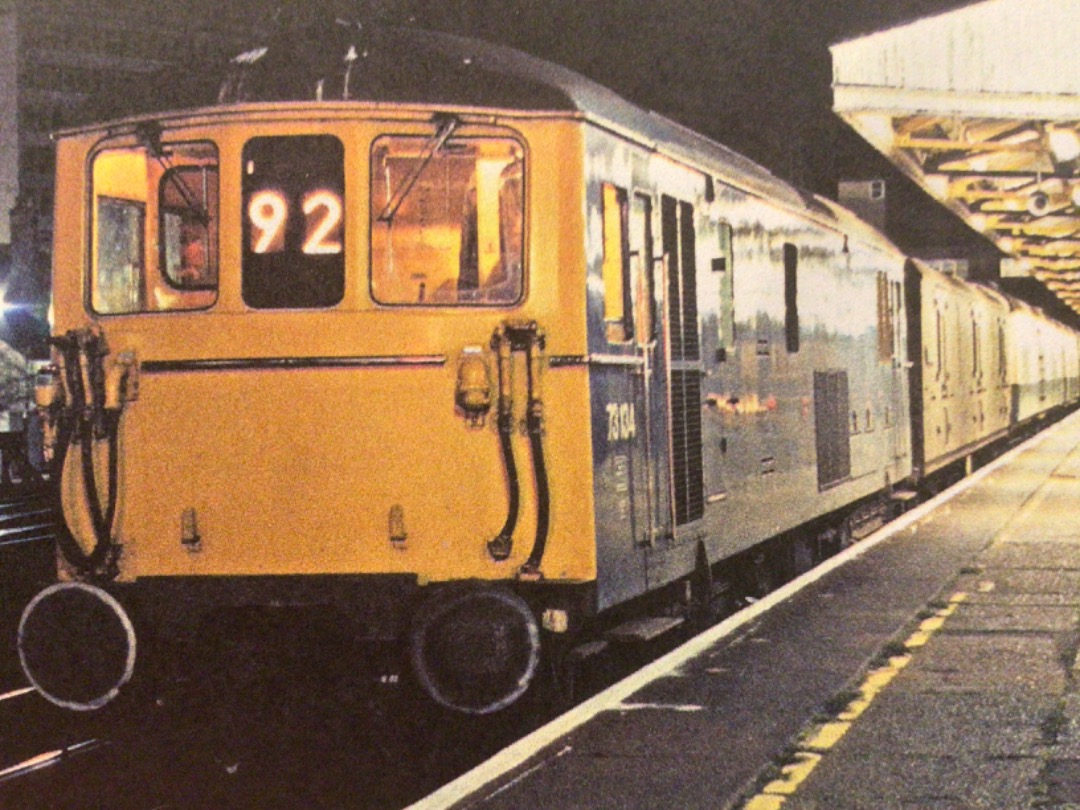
981	107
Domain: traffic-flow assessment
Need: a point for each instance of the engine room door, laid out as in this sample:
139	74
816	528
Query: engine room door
683	360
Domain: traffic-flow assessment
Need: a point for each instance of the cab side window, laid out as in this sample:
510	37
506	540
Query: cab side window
616	266
447	220
187	206
118	260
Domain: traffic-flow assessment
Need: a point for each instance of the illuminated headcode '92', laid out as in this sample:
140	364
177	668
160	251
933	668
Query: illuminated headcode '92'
268	215
294	241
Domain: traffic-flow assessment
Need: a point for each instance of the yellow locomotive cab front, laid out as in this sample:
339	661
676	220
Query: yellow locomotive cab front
303	357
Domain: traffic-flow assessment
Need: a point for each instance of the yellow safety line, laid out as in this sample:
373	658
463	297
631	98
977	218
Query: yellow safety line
817	739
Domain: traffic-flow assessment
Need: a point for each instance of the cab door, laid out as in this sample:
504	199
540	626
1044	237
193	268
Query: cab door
652	501
628	379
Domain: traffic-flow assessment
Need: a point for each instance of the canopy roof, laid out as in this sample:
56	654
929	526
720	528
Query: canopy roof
981	107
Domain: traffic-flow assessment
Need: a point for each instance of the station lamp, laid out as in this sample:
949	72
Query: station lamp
1064	143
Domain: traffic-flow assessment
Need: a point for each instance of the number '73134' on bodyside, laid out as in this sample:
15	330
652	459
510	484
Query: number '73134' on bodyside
621	421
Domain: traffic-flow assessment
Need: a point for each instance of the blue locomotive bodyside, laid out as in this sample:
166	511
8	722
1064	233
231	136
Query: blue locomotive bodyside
746	350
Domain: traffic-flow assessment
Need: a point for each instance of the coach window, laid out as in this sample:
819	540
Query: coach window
293	214
791	297
1001	352
447	219
147	196
723	265
885	318
616	266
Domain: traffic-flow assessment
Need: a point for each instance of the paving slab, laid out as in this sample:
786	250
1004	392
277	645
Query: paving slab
881	781
987	586
1050	514
991	724
1023	599
1013	618
664	778
1045	553
1068	730
986	663
1062	781
1070	467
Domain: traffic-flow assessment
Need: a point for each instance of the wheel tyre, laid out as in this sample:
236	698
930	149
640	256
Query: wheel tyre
77	645
475	649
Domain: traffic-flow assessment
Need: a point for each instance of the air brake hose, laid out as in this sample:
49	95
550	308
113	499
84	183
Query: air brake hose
86	421
69	546
535	427
525	337
102	522
500	546
543	501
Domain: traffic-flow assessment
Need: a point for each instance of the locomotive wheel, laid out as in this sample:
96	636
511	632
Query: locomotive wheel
76	645
475	648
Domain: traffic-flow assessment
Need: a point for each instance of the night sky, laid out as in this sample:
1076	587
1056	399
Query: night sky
755	75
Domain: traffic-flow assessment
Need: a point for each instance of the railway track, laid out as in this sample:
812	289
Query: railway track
297	719
27	564
270	712
305	727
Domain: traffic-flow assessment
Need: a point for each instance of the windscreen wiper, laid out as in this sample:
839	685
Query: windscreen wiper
447	126
149	134
191	200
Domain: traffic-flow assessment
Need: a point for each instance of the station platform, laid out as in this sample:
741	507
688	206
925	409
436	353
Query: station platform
932	665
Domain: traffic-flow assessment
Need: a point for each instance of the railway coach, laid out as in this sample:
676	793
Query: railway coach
985	368
468	348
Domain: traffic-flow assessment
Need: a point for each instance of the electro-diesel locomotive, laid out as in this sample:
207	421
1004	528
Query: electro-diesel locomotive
475	352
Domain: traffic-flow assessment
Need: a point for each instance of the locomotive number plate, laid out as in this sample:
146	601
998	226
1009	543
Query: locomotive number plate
621	421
